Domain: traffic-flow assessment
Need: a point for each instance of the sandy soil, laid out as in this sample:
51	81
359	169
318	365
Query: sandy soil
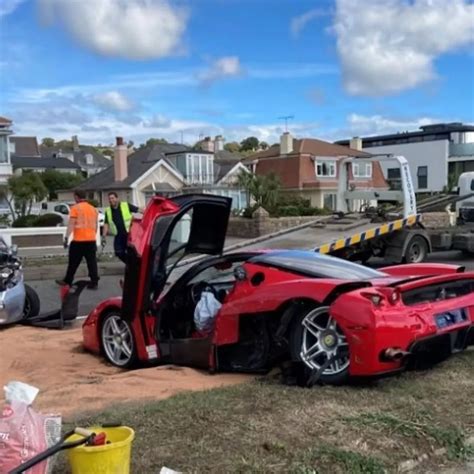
71	380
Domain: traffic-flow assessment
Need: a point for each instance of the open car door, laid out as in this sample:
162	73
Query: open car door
170	230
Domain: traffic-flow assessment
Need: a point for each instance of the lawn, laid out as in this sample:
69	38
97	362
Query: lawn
266	427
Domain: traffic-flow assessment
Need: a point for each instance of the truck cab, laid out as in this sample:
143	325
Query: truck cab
465	207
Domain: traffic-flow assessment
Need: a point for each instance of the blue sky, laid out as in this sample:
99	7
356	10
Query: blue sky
152	68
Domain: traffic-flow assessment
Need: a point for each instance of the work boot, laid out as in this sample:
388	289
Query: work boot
93	286
61	283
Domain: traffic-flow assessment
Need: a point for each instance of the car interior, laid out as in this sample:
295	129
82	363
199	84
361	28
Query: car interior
176	312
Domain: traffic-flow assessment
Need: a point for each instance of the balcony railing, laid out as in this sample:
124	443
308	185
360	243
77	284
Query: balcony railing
461	149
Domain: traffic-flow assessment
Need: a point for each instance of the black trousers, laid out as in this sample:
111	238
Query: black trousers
120	246
78	251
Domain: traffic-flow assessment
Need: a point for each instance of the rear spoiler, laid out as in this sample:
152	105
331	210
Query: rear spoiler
422	270
407	285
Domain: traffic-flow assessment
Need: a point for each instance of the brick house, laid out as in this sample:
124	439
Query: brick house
310	168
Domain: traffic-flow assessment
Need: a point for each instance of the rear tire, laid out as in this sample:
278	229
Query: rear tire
32	303
315	337
416	251
117	341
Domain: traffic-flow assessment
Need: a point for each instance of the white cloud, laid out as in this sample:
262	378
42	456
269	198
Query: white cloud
364	125
299	23
9	6
131	29
114	101
386	46
222	68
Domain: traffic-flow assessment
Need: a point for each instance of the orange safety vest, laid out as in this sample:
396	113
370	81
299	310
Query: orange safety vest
86	222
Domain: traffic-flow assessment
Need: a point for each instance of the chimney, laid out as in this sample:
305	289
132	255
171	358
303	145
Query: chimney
207	144
218	143
286	143
356	143
75	143
120	160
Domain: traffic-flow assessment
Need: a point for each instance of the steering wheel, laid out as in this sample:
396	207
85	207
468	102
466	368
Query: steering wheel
198	288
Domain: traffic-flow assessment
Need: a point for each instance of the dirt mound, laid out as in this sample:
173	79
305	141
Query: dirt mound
71	380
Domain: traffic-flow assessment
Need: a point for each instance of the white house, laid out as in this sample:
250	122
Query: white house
6	169
437	154
166	169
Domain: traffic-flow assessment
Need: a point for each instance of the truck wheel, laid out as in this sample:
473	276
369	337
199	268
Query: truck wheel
315	338
416	251
32	303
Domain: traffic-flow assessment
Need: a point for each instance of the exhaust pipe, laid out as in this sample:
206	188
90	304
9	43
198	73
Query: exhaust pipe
394	354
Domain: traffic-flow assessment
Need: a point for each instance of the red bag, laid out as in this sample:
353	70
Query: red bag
24	433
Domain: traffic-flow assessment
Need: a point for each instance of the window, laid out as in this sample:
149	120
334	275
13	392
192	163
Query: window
472	184
199	169
12	147
62	209
326	169
393	173
4	152
329	201
89	159
422	175
362	170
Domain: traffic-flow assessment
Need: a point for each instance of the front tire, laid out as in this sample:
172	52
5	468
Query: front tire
117	341
32	303
315	338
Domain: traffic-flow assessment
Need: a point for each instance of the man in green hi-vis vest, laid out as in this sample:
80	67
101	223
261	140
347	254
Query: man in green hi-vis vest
118	217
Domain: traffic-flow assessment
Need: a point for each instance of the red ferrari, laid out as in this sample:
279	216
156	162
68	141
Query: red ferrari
331	318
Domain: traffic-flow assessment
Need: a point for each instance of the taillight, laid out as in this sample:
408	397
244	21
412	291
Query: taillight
392	295
375	298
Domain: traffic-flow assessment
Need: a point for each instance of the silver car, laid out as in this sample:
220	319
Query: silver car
18	301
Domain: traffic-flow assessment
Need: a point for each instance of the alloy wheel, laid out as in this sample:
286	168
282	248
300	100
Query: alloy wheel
322	340
117	340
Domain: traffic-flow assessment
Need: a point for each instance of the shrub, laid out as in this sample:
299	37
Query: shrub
5	220
93	202
25	221
287	211
48	220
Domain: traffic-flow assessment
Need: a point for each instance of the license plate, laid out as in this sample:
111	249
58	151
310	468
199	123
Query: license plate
450	318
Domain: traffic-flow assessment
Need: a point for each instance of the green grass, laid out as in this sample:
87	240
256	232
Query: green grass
267	427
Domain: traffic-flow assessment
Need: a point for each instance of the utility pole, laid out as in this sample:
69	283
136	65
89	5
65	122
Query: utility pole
286	118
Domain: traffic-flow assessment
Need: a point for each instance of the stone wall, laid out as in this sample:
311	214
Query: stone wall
435	220
262	224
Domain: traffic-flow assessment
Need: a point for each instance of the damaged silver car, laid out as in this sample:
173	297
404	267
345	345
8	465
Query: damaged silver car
18	301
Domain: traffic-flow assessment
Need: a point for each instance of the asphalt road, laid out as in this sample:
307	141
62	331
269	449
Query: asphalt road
110	285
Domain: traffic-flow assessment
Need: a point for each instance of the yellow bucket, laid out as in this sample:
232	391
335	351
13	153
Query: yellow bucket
113	458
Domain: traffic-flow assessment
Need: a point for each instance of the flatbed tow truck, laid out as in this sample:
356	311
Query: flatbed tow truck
397	237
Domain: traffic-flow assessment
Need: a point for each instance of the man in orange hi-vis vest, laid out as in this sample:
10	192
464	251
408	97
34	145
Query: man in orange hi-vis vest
83	222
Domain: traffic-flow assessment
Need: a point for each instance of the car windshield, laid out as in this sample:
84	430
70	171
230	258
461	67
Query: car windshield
317	265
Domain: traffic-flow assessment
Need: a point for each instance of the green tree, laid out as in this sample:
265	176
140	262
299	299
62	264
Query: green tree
232	147
64	144
249	144
55	180
153	141
263	189
263	145
47	142
22	191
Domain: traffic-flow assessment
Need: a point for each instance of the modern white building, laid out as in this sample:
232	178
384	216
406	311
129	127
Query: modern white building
6	169
437	154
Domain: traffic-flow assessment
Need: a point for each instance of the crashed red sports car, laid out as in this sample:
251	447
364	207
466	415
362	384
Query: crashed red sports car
332	318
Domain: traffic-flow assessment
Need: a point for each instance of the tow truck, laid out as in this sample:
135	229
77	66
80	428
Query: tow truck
361	229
